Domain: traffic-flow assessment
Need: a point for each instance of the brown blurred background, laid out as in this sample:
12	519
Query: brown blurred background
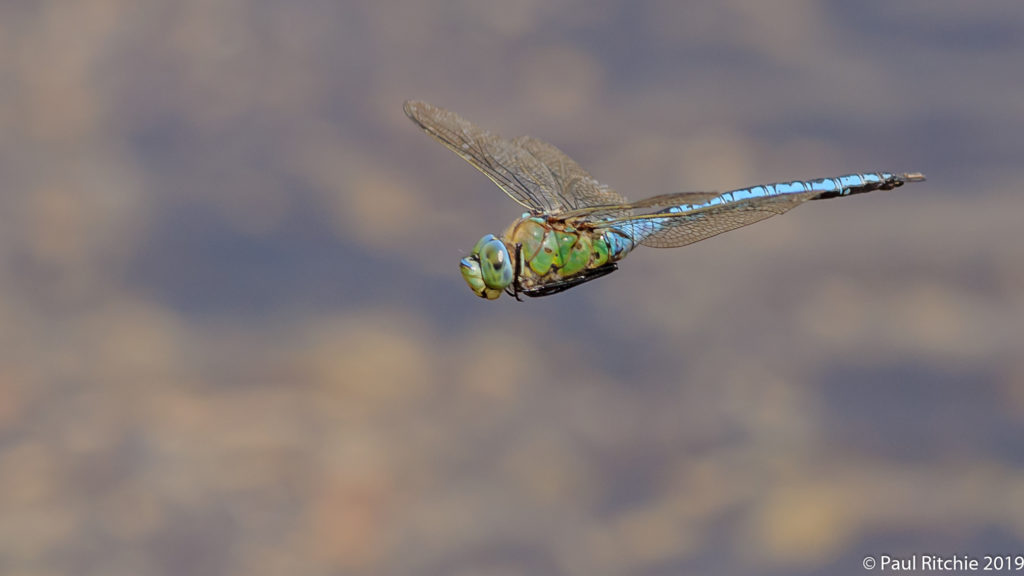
235	340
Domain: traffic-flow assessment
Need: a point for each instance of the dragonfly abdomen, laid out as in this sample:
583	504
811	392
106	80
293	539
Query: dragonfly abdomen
845	185
859	183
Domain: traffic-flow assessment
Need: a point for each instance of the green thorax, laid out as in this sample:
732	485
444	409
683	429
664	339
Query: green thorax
553	250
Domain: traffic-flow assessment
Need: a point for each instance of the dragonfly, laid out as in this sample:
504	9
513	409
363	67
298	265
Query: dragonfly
576	229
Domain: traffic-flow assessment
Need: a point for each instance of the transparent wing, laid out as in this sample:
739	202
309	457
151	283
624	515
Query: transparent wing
577	188
532	172
507	164
678	227
616	211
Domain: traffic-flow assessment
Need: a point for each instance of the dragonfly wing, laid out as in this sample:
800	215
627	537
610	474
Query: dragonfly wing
577	189
678	226
616	211
673	199
513	168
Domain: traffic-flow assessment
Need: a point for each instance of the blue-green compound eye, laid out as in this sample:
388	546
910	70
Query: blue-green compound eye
495	263
488	270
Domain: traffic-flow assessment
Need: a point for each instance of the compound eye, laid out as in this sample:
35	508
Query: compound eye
495	254
495	263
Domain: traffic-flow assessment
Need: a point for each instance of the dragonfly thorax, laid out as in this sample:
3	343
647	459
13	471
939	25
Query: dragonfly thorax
488	269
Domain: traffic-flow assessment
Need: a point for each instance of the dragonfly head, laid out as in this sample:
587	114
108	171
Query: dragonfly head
488	270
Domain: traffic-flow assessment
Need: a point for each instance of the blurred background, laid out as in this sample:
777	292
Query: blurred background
235	339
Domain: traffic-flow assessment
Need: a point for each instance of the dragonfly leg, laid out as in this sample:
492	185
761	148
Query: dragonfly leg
516	288
564	284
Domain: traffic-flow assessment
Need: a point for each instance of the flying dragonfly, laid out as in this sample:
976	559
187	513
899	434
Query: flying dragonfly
577	229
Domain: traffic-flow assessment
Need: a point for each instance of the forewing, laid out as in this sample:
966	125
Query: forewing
576	188
513	168
671	229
